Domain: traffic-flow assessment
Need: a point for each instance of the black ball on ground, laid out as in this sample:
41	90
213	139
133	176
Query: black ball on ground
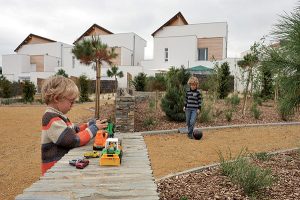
197	134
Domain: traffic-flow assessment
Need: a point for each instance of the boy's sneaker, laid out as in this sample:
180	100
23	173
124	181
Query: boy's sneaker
190	136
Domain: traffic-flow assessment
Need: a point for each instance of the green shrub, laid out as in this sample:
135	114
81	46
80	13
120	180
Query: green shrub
83	83
139	82
157	83
255	111
205	114
173	102
249	176
62	72
224	80
235	100
228	115
5	87
263	156
257	98
28	91
149	121
151	104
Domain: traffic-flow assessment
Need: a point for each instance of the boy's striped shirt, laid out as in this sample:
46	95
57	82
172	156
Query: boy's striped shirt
59	135
193	99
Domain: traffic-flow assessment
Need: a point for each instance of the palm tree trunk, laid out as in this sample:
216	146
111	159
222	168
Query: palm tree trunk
98	86
116	85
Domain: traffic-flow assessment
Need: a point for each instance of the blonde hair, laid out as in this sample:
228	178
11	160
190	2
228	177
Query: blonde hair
193	80
58	86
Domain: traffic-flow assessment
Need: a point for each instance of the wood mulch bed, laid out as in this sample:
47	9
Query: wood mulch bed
268	110
211	184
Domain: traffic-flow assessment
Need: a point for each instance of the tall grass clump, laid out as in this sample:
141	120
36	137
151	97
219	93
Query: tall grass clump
251	178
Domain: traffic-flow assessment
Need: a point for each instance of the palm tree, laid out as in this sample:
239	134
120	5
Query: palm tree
115	73
248	63
91	51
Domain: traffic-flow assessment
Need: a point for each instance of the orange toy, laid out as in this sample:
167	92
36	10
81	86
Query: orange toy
100	140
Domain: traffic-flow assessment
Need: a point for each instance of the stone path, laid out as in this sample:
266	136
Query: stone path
132	180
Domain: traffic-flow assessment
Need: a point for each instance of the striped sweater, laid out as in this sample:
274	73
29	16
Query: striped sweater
193	99
59	135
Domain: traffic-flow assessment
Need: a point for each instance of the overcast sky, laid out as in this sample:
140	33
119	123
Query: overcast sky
66	20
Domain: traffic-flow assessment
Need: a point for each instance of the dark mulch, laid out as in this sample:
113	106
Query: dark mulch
210	184
268	110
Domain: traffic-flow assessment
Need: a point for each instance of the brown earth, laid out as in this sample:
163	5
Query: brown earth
20	143
20	155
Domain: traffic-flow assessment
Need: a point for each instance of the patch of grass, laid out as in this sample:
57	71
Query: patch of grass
149	121
205	114
247	175
228	115
234	100
255	111
262	156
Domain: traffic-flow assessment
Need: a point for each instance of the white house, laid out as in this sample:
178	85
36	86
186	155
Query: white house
130	49
178	43
37	57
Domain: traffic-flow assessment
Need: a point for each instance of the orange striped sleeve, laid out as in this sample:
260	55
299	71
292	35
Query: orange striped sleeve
84	137
83	126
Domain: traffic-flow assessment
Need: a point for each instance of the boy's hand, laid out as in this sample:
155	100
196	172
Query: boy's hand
184	109
198	111
101	124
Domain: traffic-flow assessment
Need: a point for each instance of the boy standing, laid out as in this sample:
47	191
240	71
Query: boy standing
192	104
59	135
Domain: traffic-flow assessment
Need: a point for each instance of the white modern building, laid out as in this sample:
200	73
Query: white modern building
177	43
37	58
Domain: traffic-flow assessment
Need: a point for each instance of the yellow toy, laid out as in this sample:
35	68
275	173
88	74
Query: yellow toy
112	153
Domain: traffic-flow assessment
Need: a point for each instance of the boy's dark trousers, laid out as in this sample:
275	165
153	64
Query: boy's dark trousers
191	116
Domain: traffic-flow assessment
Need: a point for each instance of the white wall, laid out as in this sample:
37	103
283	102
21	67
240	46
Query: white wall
133	70
50	63
52	49
126	56
15	64
203	30
181	51
131	41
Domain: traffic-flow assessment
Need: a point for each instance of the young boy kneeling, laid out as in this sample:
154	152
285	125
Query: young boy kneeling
59	135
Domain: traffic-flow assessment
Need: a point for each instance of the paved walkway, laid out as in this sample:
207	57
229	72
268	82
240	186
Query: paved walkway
132	180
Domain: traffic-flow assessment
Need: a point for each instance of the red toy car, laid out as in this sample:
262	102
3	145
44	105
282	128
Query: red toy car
80	164
74	161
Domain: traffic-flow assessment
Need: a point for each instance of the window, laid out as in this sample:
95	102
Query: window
203	54
166	54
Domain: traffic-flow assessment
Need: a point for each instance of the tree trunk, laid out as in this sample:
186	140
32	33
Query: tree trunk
98	86
246	91
116	85
276	91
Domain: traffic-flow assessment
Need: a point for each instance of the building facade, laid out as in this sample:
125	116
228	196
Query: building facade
177	43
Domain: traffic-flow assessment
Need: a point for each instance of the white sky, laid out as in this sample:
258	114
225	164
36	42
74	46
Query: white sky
66	20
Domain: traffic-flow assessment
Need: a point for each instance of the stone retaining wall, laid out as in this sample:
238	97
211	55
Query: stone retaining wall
124	112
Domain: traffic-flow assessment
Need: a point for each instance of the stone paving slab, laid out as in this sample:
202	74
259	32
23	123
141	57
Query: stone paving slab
132	180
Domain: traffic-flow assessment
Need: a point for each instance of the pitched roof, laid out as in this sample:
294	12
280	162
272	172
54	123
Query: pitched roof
94	26
178	15
29	37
